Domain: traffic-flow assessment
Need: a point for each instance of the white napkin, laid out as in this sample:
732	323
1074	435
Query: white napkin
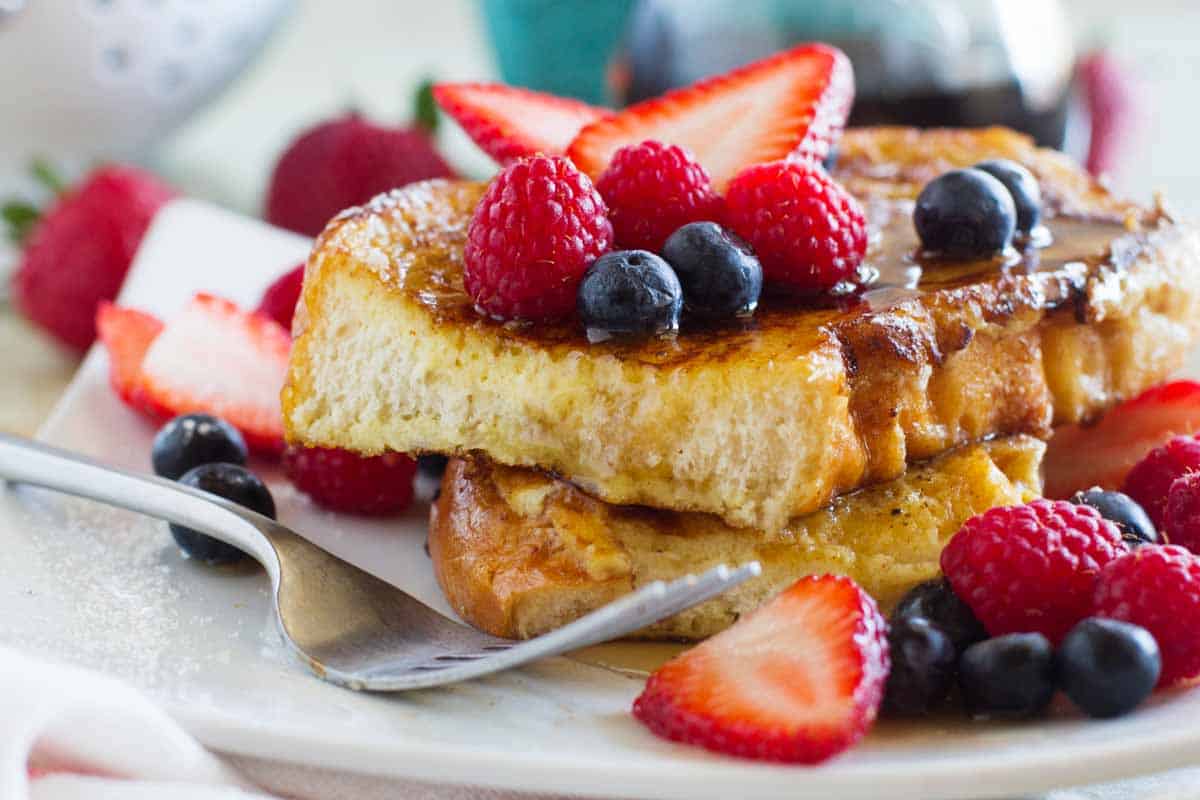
83	735
72	734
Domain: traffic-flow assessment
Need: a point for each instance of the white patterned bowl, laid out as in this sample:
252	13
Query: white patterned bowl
90	80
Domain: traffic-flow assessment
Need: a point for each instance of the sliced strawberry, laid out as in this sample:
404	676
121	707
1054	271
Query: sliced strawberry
127	334
509	123
1080	457
215	358
799	680
795	102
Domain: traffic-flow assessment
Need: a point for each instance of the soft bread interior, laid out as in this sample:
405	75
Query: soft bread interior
756	426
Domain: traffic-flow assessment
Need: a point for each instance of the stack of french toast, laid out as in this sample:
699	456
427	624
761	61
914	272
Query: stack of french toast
850	434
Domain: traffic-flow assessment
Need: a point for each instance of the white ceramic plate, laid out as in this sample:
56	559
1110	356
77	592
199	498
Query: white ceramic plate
108	590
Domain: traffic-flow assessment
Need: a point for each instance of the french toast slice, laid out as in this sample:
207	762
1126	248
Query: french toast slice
755	421
519	553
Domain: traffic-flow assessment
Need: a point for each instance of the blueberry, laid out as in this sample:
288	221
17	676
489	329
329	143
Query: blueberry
629	292
830	161
923	667
936	601
720	274
965	214
1010	676
1023	187
1122	510
233	482
432	465
1108	667
194	439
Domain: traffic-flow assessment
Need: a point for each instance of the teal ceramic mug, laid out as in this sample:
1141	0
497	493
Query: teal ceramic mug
558	46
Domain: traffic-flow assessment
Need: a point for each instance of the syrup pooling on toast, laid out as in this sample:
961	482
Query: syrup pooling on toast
1067	247
419	252
425	262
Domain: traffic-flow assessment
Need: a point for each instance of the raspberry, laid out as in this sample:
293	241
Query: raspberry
653	189
537	229
279	300
1181	516
1030	568
807	231
1151	478
344	481
1157	587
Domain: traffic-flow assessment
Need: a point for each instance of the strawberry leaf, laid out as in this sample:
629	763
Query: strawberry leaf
425	109
19	217
46	175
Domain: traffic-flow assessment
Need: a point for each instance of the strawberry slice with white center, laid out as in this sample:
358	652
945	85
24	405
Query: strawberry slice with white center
794	103
508	123
799	680
127	334
1080	457
217	359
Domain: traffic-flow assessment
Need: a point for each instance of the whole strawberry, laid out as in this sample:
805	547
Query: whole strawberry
345	162
77	253
809	233
538	228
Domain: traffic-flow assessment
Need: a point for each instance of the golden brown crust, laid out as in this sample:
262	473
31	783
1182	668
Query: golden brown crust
763	420
519	554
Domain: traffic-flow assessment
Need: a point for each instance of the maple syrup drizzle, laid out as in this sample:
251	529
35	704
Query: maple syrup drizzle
896	271
900	271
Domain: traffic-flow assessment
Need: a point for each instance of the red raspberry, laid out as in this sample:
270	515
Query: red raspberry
1181	515
653	189
345	481
1151	478
79	251
1030	568
538	228
279	300
807	231
345	162
1157	587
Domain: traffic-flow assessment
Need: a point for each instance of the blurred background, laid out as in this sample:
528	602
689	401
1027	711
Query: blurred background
207	95
330	56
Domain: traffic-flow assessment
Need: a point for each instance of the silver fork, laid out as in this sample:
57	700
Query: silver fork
351	628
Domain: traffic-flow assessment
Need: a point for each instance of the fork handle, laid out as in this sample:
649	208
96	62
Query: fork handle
36	464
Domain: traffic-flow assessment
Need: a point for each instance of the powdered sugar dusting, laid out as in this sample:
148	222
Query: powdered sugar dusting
384	233
134	597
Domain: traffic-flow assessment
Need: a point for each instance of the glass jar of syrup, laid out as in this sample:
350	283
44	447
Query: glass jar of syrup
962	63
